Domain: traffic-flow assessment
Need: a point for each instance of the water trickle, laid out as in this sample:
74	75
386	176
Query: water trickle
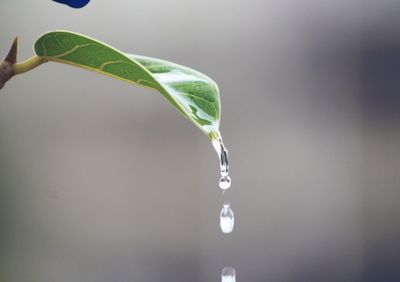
227	219
228	274
224	165
225	182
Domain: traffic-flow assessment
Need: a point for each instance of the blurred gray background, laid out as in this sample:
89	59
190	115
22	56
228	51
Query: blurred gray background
104	181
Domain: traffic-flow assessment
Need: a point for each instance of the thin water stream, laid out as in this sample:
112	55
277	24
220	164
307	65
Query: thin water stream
227	218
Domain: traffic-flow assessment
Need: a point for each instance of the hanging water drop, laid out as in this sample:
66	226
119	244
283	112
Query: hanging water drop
226	220
228	274
225	182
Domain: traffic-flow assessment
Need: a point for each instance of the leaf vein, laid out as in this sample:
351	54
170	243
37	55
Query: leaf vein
110	63
74	49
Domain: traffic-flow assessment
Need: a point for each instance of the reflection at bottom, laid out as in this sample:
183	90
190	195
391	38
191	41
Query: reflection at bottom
228	274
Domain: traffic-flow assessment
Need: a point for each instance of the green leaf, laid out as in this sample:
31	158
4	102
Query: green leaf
194	94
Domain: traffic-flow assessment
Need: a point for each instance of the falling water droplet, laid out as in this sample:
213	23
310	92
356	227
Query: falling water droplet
225	182
226	220
228	274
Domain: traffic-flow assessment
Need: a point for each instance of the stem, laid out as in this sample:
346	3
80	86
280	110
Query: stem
6	69
9	67
6	72
28	65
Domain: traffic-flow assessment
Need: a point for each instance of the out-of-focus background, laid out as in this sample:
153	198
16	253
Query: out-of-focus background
104	181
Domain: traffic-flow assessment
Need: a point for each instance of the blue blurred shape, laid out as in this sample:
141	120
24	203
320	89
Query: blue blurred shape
74	3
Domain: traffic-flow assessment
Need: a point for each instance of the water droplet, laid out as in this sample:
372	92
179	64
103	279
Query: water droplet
228	274
226	220
225	182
